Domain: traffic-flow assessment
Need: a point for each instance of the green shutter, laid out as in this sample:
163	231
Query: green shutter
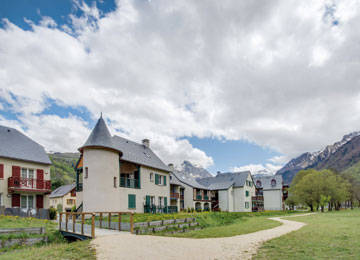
132	201
156	178
165	201
164	180
247	193
147	200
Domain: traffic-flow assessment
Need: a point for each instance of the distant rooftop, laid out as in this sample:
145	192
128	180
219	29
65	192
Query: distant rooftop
15	145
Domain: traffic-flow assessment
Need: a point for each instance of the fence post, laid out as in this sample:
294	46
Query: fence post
109	220
82	223
60	219
93	225
66	221
73	219
132	223
119	221
100	219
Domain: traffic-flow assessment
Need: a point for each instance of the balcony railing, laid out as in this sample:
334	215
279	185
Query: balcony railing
206	197
79	187
181	196
18	183
174	195
160	209
129	183
198	197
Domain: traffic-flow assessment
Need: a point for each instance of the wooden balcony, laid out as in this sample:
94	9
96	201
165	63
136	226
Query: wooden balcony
174	195
28	185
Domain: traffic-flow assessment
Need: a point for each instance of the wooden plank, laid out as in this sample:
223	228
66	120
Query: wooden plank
132	223
93	226
66	221
82	223
74	221
60	219
119	228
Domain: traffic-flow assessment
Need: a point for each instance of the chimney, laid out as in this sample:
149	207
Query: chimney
146	143
218	172
171	166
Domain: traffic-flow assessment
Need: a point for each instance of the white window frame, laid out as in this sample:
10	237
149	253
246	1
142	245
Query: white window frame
151	176
152	200
1	199
160	201
160	179
27	201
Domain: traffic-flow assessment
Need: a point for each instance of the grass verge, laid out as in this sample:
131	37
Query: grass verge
331	235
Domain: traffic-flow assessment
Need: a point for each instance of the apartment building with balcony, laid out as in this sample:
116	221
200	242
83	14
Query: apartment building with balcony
116	174
63	198
270	193
24	171
191	193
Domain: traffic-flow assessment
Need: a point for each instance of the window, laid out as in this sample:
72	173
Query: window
132	201
273	182
246	205
258	183
247	193
160	177
160	201
115	182
1	199
27	202
27	174
86	172
70	201
151	176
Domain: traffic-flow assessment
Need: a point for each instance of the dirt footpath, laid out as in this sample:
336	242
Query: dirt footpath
127	246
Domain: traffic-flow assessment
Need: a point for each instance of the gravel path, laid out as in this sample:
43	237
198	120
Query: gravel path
127	246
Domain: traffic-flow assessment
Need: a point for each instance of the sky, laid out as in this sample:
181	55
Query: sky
227	85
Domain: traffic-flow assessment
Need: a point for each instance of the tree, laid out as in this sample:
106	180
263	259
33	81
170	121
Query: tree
317	188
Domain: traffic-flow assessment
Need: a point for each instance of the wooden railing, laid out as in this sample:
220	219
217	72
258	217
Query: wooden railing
174	195
15	183
74	215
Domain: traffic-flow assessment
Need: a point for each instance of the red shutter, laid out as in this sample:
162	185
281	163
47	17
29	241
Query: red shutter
16	171
39	201
40	179
1	171
15	200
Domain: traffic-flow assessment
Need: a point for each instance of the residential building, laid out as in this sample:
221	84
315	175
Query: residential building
24	171
231	191
270	193
191	193
116	174
64	197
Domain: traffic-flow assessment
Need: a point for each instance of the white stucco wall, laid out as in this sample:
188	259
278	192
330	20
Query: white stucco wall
8	163
223	200
99	193
148	188
272	199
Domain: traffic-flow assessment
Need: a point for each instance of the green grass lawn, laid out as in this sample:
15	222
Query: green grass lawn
331	235
242	226
57	248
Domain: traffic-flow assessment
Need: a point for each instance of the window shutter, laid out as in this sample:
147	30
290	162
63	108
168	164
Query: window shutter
1	171
39	201
16	171
164	180
132	201
147	200
165	201
15	200
40	179
156	178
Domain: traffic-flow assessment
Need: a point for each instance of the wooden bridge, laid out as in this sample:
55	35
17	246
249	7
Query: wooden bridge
74	226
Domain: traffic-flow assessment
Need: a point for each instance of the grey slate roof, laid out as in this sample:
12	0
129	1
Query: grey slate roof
15	145
266	182
62	191
223	181
174	180
130	151
188	181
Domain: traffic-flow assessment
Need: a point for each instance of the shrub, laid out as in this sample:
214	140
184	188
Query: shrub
59	207
73	209
192	210
188	210
52	212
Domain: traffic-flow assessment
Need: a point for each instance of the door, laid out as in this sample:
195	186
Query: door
39	201
40	179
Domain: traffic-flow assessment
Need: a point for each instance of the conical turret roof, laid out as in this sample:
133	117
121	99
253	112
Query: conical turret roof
99	137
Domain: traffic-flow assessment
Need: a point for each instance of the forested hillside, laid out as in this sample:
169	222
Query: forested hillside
62	169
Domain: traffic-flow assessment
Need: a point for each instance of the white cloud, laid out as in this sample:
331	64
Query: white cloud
166	69
268	169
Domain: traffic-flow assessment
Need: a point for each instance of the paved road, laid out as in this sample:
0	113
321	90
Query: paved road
135	247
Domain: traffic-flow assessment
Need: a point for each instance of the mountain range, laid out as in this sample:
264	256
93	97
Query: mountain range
193	170
338	157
